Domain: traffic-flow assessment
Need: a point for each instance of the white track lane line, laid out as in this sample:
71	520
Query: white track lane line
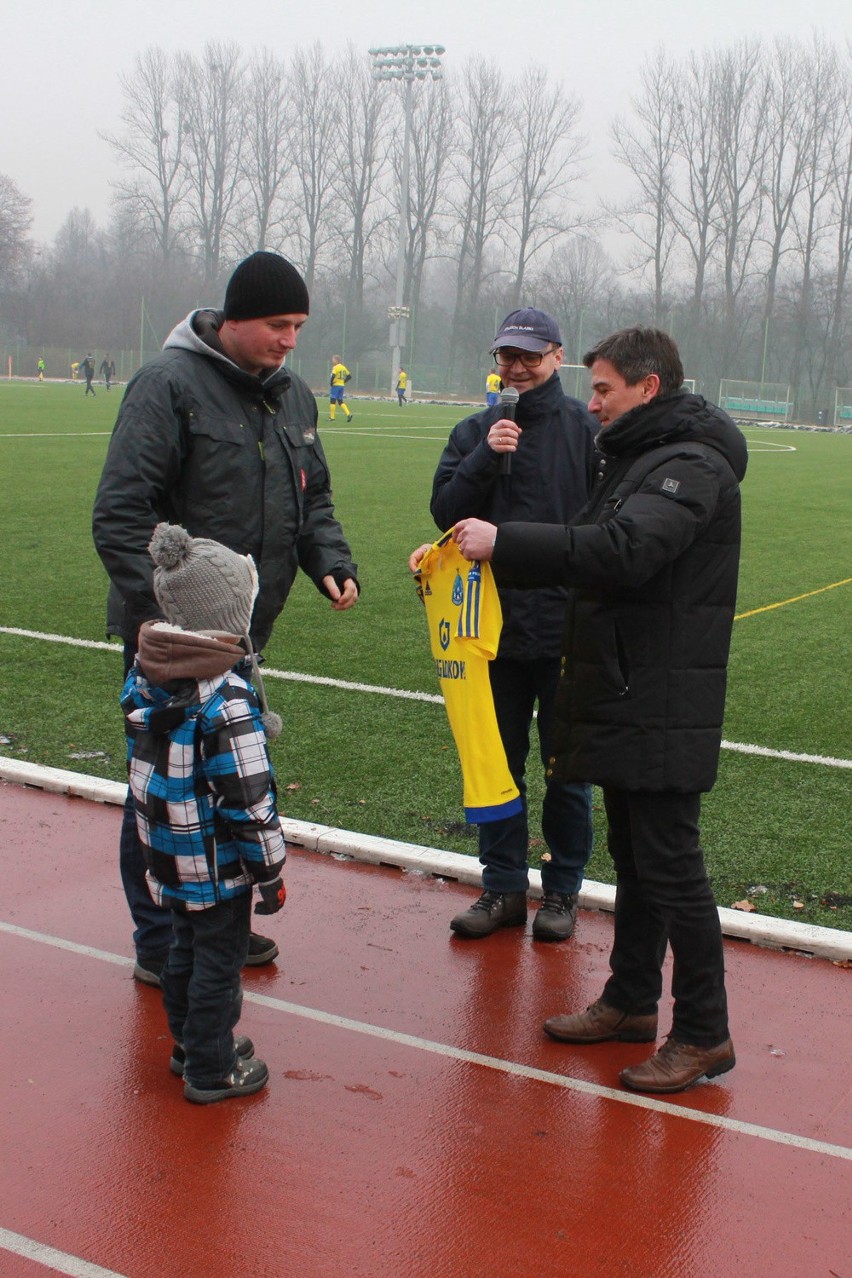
515	1068
61	1262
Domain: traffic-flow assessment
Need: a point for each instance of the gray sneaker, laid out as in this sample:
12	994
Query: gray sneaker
246	1078
243	1046
555	917
492	911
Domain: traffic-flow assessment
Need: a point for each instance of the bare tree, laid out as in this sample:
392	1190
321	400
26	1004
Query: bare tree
151	149
791	128
840	364
361	162
15	223
432	141
646	144
545	158
694	199
213	108
480	194
741	101
579	274
313	132
266	158
822	109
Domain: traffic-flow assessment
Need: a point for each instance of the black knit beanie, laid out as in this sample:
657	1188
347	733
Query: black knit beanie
265	284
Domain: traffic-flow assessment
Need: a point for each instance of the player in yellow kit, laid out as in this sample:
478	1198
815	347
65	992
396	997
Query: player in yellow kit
465	619
493	386
340	375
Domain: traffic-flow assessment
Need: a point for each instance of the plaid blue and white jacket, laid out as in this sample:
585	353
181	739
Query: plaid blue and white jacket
201	777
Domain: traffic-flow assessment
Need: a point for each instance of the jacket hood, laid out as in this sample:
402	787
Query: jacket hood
167	653
677	418
199	333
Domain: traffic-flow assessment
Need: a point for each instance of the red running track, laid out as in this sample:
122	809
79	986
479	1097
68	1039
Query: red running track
417	1122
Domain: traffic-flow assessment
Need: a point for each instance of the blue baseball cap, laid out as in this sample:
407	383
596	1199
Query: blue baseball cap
528	330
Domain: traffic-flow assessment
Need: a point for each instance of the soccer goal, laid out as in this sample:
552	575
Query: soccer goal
756	401
843	406
575	381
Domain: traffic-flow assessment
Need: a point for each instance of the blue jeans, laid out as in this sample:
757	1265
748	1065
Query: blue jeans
663	894
152	933
566	815
202	987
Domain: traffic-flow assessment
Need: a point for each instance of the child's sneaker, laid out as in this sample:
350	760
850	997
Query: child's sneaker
244	1079
243	1046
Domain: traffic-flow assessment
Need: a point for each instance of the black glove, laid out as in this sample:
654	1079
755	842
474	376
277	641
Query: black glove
273	894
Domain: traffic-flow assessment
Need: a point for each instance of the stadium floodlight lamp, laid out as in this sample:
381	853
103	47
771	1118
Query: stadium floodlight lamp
407	63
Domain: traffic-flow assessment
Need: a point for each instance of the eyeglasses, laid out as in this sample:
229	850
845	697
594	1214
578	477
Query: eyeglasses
529	359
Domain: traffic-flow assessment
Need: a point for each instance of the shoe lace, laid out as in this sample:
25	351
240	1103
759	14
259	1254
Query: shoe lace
556	903
486	902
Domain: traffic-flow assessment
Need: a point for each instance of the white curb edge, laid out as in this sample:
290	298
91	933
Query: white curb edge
822	942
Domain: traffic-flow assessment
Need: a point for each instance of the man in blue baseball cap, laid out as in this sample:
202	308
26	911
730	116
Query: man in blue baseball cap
536	466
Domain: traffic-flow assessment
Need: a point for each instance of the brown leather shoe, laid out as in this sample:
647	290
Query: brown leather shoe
491	911
601	1023
677	1066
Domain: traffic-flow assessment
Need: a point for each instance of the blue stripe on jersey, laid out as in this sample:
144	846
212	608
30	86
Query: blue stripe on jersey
494	812
469	617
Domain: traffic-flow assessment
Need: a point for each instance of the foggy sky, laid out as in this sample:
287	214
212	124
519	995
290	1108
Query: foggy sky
61	62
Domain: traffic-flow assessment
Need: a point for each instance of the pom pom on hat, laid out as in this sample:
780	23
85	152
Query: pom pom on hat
201	584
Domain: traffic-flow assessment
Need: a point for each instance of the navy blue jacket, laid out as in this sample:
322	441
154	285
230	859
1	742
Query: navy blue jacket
550	481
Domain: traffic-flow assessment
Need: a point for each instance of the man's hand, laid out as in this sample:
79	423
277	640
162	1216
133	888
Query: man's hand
341	599
416	555
475	538
503	436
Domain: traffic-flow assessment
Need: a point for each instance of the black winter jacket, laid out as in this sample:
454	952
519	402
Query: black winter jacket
228	455
653	562
551	478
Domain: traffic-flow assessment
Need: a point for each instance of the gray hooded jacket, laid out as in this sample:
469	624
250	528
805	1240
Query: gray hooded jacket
228	455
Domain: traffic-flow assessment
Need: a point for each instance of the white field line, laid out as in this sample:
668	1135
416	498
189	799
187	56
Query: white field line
60	434
62	1262
347	685
447	1050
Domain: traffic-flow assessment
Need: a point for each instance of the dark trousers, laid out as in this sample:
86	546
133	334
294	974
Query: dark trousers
202	987
152	933
566	815
663	894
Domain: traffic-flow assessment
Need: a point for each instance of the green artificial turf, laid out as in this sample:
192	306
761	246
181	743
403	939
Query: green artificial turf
775	828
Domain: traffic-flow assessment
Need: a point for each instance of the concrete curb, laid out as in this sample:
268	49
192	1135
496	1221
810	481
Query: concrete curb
807	938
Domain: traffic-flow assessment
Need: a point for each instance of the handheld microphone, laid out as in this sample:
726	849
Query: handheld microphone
508	403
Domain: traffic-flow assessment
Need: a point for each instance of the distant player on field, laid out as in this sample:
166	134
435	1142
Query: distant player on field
340	375
493	386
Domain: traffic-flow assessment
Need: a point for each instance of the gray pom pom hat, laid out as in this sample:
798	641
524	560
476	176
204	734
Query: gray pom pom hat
201	585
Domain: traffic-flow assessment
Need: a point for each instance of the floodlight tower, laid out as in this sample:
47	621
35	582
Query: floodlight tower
405	62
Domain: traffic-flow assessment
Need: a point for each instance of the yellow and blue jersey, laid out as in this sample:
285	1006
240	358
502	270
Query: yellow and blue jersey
465	620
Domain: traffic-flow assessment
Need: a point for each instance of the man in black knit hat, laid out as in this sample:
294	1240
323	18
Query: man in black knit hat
217	435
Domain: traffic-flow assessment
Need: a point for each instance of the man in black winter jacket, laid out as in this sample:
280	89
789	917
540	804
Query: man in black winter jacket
217	435
652	562
538	466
